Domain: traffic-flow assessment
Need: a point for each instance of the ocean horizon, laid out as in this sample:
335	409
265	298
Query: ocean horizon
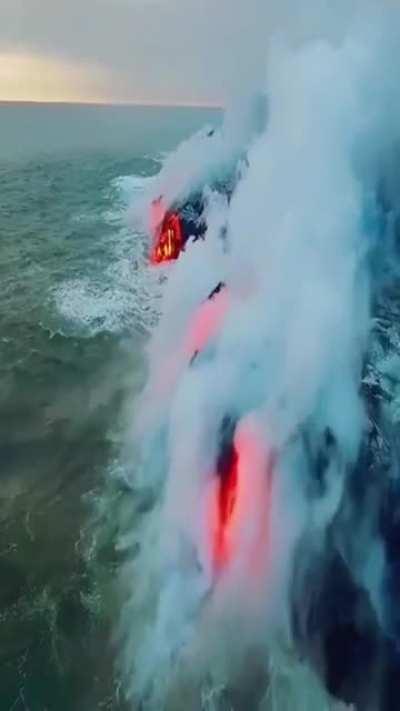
29	129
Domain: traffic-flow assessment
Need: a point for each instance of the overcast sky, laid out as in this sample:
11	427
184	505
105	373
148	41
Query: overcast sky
136	50
167	51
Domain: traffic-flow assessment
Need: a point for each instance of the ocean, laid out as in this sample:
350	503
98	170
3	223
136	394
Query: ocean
76	308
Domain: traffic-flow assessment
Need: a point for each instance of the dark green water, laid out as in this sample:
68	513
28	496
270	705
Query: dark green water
74	313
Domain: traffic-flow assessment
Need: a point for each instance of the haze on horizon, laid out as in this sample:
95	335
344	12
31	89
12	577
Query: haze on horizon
128	51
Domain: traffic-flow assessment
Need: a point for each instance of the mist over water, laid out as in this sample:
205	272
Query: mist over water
307	249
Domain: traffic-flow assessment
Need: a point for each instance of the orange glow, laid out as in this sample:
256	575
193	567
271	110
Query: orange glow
168	238
31	77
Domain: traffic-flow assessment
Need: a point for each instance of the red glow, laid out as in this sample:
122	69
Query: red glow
168	237
242	505
227	496
207	322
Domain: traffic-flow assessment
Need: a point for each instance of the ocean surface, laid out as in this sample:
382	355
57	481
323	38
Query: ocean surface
76	305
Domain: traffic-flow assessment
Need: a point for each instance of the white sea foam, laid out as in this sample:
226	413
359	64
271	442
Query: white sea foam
123	296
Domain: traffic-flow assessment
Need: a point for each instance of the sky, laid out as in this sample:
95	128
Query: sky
150	51
145	51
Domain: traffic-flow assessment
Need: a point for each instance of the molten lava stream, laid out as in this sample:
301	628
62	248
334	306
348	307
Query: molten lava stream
226	500
168	242
242	504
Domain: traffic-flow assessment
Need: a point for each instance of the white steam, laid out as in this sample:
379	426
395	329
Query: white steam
285	361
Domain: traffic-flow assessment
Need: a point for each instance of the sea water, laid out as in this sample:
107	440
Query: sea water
76	305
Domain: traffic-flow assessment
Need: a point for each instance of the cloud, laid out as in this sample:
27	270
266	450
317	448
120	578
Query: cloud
166	50
155	49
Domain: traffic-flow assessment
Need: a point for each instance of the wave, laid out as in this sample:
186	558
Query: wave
121	295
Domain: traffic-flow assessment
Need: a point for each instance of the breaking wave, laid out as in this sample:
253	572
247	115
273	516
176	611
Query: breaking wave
122	295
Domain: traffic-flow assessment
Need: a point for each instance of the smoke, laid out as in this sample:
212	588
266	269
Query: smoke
279	365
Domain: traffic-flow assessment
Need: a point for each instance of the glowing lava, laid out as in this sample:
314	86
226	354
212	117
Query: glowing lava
207	322
168	233
241	499
226	500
